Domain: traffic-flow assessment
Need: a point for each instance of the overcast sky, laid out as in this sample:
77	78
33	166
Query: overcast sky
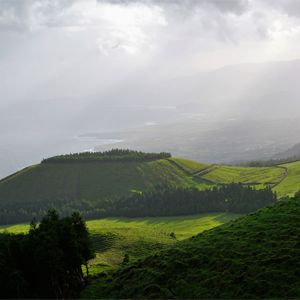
53	48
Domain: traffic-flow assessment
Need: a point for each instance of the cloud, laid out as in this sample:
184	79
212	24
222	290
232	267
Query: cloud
224	6
131	40
30	14
289	7
61	47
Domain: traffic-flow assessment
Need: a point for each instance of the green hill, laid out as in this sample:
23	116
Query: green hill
92	181
89	180
290	185
253	257
228	174
63	181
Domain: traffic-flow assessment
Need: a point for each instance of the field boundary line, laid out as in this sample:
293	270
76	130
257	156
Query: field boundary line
79	182
205	171
284	176
182	169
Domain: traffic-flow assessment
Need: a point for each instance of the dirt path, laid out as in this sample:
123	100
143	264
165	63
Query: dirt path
286	174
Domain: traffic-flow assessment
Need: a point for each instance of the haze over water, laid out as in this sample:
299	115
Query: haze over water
22	148
62	63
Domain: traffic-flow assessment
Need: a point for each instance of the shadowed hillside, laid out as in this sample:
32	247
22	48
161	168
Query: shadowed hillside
253	257
83	182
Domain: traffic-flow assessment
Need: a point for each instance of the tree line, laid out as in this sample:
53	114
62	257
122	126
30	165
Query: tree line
168	200
114	155
162	200
47	262
270	162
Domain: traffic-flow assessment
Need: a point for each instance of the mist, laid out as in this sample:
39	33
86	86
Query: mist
92	68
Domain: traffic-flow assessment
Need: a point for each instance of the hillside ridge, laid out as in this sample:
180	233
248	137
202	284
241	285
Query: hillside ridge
81	185
252	257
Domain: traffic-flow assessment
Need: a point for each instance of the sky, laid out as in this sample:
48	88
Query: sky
76	48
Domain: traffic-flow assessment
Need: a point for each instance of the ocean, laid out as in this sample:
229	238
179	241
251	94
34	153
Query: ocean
24	145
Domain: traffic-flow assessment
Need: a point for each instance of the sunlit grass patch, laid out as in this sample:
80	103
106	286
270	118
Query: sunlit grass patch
228	174
252	257
182	226
18	228
291	183
189	165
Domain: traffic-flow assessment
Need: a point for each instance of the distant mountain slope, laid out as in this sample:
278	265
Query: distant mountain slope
295	150
253	257
240	82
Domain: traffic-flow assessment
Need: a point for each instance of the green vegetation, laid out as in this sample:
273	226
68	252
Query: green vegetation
290	185
86	186
228	174
270	162
154	257
162	200
182	226
32	192
167	200
253	257
114	237
47	262
190	166
116	179
139	236
41	182
114	155
91	180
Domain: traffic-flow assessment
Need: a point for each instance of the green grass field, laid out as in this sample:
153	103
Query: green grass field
189	166
114	179
113	237
253	257
228	174
41	182
91	180
291	183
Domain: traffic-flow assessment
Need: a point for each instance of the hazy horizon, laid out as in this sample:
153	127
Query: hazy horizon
53	49
80	66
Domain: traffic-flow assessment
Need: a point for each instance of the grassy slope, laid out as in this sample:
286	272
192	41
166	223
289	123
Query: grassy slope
114	237
228	174
93	181
40	182
291	183
189	165
256	256
110	179
97	180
